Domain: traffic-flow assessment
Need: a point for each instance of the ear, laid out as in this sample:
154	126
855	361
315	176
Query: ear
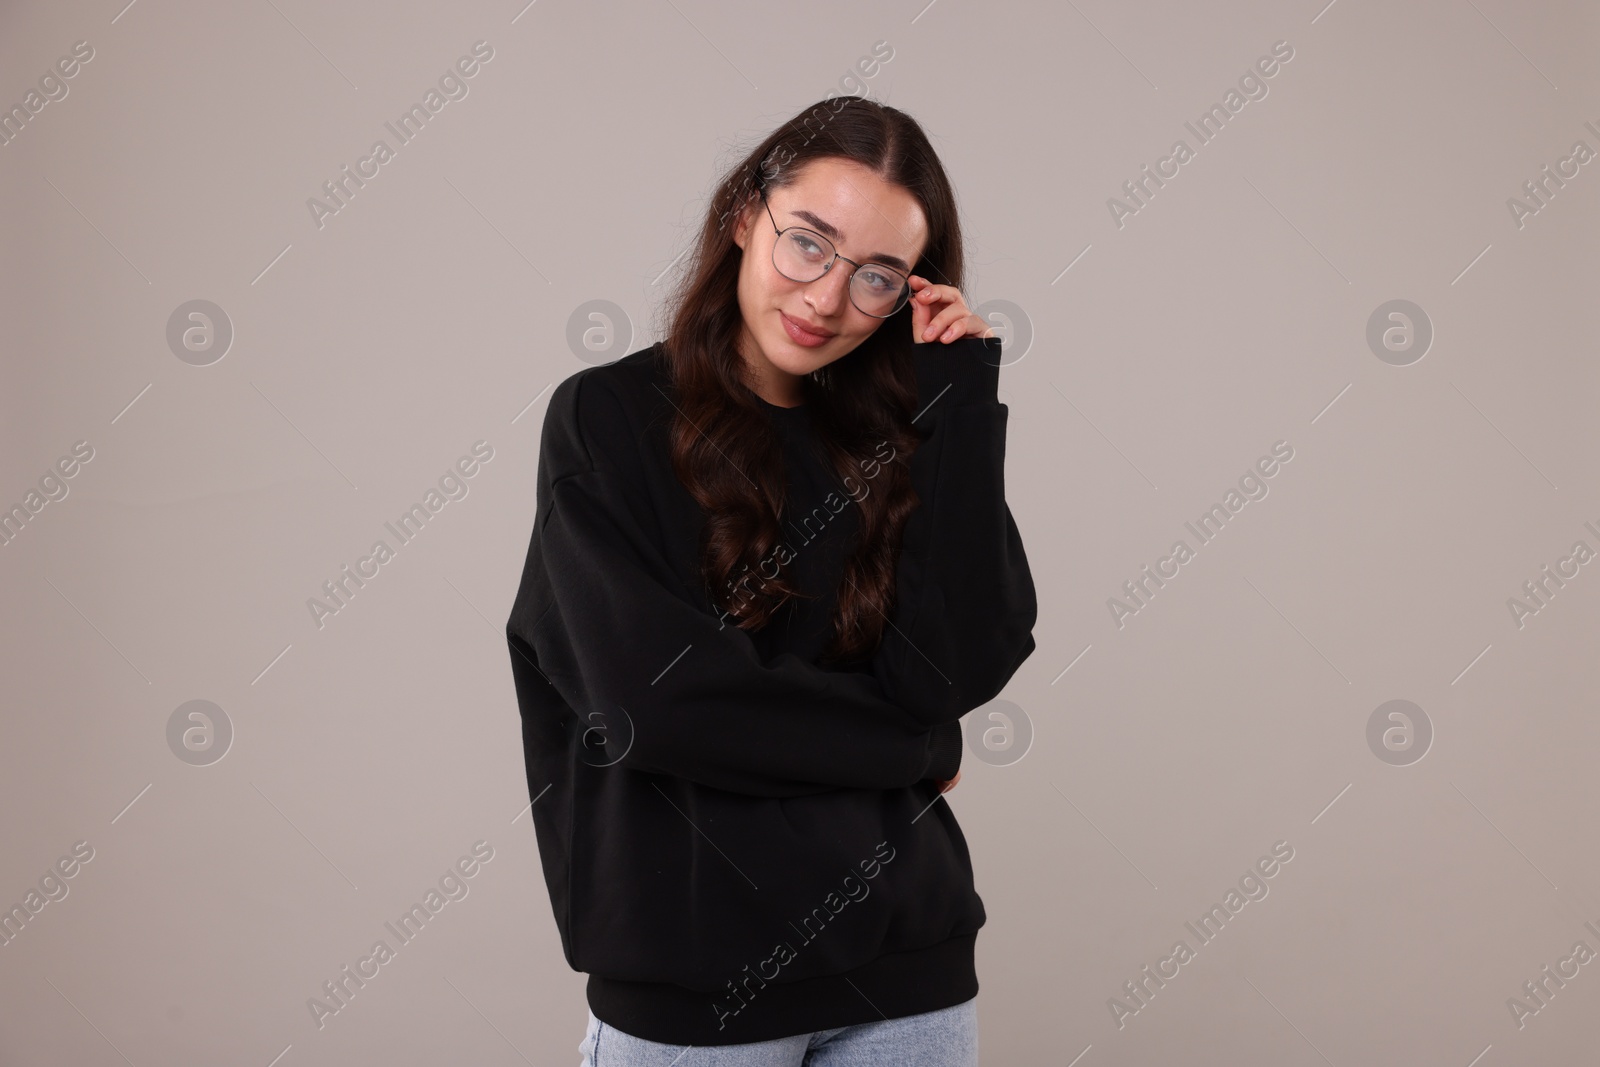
741	228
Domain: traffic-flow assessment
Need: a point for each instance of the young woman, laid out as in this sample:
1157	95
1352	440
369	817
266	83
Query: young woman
772	566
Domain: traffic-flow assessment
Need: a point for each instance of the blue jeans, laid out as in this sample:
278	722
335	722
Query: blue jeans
944	1038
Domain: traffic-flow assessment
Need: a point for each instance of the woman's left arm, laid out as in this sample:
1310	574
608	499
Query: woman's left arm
965	604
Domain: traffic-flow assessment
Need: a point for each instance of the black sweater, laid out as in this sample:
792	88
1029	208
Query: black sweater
738	843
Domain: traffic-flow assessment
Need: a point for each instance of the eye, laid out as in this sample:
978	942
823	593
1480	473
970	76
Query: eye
807	247
881	280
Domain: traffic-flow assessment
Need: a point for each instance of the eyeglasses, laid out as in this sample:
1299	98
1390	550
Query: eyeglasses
803	255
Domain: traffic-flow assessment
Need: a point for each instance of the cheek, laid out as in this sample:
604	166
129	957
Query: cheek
855	337
752	295
760	283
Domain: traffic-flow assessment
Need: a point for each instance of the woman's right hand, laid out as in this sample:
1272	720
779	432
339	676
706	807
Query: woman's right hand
945	787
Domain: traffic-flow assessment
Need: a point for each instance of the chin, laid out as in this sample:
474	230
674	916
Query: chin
795	359
799	363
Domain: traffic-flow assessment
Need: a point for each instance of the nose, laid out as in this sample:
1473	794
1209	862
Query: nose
829	294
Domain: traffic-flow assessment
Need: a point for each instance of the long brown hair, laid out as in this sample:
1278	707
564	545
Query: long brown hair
723	448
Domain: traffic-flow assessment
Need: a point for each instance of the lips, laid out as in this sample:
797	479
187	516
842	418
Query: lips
804	332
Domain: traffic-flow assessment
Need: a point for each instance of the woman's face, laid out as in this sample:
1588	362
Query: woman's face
867	219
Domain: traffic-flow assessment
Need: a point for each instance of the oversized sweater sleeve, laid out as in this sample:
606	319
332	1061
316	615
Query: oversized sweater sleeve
965	603
602	618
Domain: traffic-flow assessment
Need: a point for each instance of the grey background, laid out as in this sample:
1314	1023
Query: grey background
432	312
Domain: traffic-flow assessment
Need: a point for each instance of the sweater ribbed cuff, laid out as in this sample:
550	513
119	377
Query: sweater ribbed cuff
962	372
944	747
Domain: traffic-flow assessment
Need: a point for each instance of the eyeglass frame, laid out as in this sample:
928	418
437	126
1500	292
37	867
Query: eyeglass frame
854	266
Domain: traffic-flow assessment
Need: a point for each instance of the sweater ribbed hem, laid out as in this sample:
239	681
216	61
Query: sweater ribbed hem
894	985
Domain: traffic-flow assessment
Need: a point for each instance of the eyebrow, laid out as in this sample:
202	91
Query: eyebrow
830	231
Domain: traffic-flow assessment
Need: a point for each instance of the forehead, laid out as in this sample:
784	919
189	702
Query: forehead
873	216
